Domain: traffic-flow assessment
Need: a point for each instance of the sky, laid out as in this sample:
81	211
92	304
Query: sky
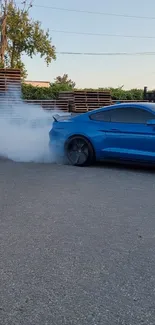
97	71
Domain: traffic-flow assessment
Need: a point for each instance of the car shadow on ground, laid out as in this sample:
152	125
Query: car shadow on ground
100	165
125	166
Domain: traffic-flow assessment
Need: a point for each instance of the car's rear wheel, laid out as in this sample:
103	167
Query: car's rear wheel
79	151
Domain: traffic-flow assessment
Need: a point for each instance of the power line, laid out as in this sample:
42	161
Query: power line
108	53
93	12
101	34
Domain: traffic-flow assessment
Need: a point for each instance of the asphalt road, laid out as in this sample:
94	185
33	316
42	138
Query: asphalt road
77	245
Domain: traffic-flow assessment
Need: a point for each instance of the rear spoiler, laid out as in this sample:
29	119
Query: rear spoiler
55	119
58	117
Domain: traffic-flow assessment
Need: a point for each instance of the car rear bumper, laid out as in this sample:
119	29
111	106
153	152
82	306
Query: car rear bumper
57	148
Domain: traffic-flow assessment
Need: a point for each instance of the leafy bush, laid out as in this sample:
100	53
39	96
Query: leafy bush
121	94
37	93
43	93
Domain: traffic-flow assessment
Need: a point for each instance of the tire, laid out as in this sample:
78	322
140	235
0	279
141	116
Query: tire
79	151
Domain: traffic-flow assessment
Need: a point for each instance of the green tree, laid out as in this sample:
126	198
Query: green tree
25	36
64	80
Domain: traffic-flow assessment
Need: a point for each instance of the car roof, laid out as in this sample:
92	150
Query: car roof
142	105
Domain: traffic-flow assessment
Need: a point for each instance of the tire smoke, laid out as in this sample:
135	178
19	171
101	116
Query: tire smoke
24	129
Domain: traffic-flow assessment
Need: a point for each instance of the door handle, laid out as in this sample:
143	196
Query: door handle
115	130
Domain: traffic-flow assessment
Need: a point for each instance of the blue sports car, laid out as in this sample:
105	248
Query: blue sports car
121	132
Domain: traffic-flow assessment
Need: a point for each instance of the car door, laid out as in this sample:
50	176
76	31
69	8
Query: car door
127	134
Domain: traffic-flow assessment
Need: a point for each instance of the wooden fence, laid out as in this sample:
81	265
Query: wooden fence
73	101
127	101
58	104
10	78
77	101
89	100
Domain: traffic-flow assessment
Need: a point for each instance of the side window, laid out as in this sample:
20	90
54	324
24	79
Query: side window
123	115
101	116
130	115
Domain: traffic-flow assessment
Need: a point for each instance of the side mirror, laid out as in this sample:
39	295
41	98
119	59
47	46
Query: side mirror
151	122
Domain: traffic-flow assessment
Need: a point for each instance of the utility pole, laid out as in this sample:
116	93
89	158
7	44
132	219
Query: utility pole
3	38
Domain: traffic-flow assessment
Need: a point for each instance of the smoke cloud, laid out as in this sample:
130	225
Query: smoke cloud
24	129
